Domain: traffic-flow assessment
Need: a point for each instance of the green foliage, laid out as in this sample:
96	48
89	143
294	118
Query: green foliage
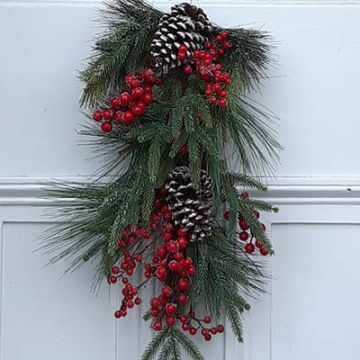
122	49
156	344
167	344
224	272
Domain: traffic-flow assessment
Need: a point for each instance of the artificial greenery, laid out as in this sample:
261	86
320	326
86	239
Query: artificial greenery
138	158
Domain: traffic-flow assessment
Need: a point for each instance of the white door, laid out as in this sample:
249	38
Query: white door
311	311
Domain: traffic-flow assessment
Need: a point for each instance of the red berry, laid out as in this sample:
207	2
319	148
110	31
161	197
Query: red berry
224	35
115	270
182	48
128	77
147	99
128	117
245	195
263	227
208	92
137	111
183	284
113	279
157	325
167	236
220	329
223	93
213	330
243	236
137	301
146	234
185	327
218	38
154	312
188	70
205	75
170	321
124	98
226	45
178	256
114	103
174	265
187	262
204	332
97	115
258	244
161	251
249	248
172	246
182	243
222	102
148	75
256	214
207	319
192	331
166	291
243	224
181	299
118	116
170	309
191	271
107	115
263	251
134	83
182	232
212	100
106	126
184	150
154	302
137	93
182	56
167	227
117	314
217	87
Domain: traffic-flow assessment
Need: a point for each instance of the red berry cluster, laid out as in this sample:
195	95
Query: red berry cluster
128	263
129	238
209	69
169	265
245	234
182	53
192	324
129	104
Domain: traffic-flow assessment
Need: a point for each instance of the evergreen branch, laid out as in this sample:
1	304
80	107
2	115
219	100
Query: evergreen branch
248	56
187	344
246	181
232	313
156	344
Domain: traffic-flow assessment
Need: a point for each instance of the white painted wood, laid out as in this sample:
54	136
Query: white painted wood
310	311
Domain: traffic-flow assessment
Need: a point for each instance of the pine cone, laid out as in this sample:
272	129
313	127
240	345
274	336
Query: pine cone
191	207
186	24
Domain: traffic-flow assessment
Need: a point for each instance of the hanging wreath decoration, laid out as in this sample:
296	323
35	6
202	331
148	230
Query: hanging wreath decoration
167	93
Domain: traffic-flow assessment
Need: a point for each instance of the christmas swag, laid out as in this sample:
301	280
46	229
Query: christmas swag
171	116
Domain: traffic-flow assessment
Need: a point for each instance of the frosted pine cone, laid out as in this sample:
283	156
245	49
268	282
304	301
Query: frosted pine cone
191	207
186	24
